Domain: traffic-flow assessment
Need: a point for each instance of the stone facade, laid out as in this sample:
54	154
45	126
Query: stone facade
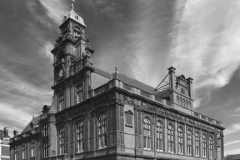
98	115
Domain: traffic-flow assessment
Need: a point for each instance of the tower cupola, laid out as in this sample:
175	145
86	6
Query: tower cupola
75	17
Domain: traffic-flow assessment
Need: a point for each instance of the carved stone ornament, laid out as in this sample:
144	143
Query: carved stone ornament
129	112
177	117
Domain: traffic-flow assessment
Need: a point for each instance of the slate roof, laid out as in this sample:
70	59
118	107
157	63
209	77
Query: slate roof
35	120
127	80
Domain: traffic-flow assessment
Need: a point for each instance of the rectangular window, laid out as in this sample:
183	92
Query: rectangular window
45	150
79	93
45	130
61	105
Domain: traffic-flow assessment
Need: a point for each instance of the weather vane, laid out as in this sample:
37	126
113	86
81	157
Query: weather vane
72	3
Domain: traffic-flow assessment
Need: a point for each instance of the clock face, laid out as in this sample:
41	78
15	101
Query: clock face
60	74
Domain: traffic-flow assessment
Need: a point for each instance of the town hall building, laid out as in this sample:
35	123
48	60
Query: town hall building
109	116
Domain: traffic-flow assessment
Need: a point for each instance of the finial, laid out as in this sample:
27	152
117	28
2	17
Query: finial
72	4
115	68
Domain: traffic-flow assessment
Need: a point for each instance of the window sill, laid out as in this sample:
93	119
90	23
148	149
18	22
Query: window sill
147	149
79	151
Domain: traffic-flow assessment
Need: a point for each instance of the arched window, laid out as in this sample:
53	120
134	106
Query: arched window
210	147
61	141
181	102
80	136
189	142
146	133
102	130
204	145
170	138
180	140
184	105
159	130
197	144
189	106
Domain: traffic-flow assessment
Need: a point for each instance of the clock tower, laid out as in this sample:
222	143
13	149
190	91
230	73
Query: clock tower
72	62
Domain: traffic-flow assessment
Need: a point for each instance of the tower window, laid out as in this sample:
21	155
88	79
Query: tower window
146	133
61	105
79	93
102	130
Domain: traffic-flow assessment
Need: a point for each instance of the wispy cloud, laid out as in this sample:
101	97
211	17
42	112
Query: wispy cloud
56	9
205	41
231	143
150	40
232	129
231	152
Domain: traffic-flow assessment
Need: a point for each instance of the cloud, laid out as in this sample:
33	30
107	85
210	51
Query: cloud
149	40
48	46
230	143
232	129
56	9
231	152
205	43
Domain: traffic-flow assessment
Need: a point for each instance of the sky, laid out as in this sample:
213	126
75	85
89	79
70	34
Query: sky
200	38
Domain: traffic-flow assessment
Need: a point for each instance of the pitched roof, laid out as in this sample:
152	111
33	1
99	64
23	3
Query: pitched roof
127	80
35	120
135	83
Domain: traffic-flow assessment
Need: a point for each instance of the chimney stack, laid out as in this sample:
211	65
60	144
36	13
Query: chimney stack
15	132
